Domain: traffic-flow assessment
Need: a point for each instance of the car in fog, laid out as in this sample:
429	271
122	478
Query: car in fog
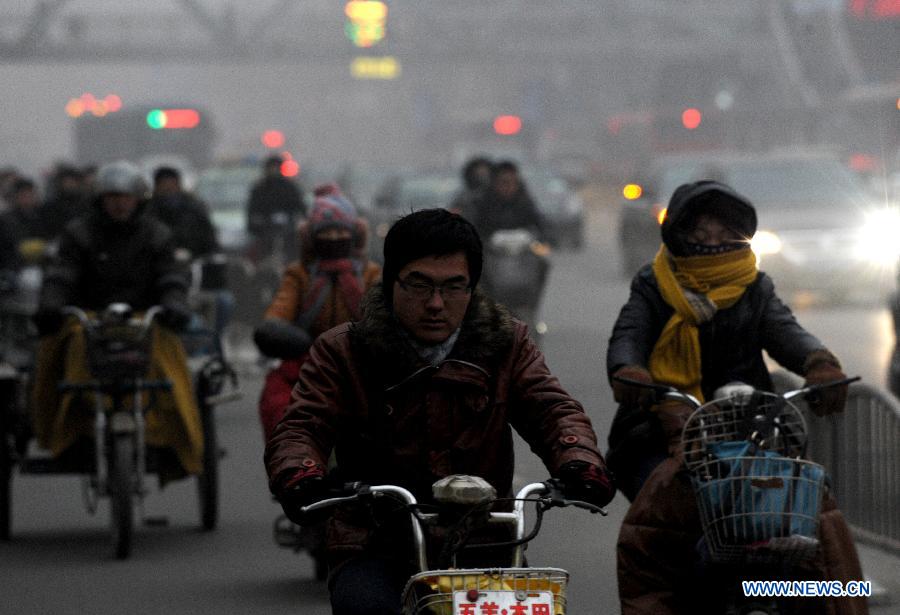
225	190
561	209
405	193
820	229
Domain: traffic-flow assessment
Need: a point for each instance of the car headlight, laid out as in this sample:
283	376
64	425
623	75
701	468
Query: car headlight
765	242
877	241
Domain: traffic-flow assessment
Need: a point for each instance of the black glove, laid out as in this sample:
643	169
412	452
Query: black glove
48	321
305	487
587	482
175	315
630	394
281	340
820	367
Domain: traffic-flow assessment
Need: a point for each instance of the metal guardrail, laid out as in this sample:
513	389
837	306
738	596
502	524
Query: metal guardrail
860	449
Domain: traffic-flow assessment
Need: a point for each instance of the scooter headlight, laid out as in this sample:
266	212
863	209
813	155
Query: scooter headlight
765	242
878	242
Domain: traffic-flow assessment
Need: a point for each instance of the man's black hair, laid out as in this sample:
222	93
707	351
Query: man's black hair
429	232
166	173
504	166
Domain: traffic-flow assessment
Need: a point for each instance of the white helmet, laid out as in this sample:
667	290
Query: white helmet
122	177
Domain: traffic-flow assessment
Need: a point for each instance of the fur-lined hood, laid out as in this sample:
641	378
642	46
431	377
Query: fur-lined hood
486	335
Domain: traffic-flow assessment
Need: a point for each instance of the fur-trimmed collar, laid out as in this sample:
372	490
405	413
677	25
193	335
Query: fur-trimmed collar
486	334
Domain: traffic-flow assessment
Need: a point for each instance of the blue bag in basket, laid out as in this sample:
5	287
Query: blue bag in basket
753	495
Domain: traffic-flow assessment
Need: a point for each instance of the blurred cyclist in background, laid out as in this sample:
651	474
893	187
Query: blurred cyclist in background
476	176
184	214
275	206
506	203
116	254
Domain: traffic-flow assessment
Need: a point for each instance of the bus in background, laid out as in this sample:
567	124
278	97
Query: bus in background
138	132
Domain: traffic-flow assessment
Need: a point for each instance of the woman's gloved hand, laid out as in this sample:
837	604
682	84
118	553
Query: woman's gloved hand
630	394
587	482
820	367
673	415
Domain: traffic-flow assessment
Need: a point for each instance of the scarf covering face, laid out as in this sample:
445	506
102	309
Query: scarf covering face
696	287
340	274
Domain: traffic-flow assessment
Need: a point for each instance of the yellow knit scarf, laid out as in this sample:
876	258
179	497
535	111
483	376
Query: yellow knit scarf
696	287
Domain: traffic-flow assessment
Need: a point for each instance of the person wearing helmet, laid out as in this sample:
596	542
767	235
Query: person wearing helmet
116	254
698	318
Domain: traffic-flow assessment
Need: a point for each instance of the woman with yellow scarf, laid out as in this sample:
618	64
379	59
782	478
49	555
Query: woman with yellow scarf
698	318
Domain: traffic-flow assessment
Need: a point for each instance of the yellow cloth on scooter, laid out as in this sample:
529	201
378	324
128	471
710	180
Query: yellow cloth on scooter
696	287
60	419
445	585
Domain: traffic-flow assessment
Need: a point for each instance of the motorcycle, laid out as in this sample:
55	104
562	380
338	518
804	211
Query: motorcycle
118	353
515	273
758	499
464	505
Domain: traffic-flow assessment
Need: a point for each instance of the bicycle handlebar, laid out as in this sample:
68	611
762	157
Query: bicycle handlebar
664	391
86	321
549	492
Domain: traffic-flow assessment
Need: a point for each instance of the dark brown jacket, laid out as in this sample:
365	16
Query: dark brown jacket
394	419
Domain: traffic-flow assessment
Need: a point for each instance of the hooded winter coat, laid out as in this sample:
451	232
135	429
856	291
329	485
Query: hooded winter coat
656	553
393	418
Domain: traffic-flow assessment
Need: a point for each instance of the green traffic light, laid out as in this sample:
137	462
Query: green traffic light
156	119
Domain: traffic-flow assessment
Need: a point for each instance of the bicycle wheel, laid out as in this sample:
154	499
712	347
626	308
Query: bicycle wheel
8	398
208	481
121	482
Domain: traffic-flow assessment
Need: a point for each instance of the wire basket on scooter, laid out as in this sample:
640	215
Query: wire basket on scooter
465	591
758	501
118	351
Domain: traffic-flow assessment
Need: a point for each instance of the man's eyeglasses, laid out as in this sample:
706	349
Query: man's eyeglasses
449	291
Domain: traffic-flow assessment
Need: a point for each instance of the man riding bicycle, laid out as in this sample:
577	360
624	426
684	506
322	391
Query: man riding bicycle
115	255
427	384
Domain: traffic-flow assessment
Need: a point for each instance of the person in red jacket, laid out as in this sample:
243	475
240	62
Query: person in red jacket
321	290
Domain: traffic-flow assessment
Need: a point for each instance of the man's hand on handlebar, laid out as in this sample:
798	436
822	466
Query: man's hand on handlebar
587	482
306	486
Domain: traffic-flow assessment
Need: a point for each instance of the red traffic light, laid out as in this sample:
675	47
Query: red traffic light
691	118
273	139
507	124
290	168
